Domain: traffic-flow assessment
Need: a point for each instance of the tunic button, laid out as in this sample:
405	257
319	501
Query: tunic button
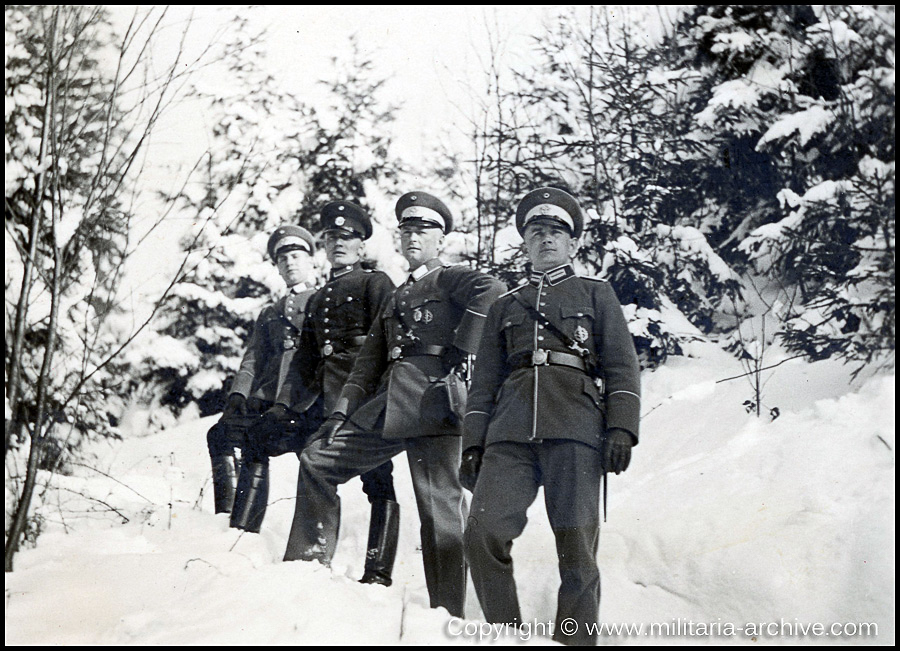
329	289
540	338
540	326
399	337
325	310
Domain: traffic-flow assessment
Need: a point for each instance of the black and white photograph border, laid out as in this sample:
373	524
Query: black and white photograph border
732	169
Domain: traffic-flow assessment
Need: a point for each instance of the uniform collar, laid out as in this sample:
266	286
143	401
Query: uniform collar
343	271
424	269
552	277
298	288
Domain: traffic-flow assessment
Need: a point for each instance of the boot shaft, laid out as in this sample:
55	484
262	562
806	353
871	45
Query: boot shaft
224	475
252	497
384	530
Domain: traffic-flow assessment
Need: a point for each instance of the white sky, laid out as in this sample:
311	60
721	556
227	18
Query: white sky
433	56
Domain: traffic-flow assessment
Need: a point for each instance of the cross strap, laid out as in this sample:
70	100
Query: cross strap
588	356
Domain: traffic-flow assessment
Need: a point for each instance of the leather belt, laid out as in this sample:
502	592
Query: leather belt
343	345
542	357
413	350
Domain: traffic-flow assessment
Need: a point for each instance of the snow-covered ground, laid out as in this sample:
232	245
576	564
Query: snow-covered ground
726	529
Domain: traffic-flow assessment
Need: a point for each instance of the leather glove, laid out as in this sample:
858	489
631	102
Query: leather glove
256	405
330	427
274	422
617	450
236	405
455	359
469	468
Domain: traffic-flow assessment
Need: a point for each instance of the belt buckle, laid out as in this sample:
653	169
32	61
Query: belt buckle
327	350
539	357
288	344
396	351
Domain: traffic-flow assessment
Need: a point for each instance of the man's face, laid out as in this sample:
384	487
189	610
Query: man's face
342	248
548	245
420	243
294	265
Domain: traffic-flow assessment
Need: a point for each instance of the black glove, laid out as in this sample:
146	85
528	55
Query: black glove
236	405
469	468
273	422
455	359
256	405
617	450
330	427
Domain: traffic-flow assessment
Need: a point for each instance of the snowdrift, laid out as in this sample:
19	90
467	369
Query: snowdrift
726	529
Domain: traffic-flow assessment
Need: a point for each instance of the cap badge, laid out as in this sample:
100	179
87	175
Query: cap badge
339	221
545	209
412	198
546	195
340	209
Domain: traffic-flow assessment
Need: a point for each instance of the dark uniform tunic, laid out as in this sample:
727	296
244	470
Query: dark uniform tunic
397	398
338	316
539	408
264	368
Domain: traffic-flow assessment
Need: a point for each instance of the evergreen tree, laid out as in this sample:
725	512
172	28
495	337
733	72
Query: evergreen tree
601	118
273	160
802	109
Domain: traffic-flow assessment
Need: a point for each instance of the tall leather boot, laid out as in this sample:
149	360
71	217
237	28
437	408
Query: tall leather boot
223	478
384	529
252	497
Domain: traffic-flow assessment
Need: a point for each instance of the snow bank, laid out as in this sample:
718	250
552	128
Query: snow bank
722	520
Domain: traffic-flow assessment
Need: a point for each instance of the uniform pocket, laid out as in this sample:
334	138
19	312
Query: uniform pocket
578	323
424	310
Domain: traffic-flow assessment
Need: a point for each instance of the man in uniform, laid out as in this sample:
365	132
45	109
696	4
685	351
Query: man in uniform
338	316
403	394
554	403
255	387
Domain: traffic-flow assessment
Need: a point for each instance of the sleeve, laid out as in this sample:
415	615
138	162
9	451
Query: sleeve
370	364
475	292
254	356
490	371
619	364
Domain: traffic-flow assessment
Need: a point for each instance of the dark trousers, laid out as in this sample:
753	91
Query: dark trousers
433	463
235	432
508	483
